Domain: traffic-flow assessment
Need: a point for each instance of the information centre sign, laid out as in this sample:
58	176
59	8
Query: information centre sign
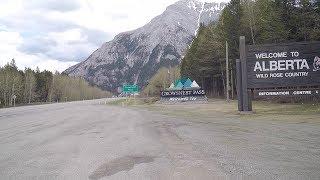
287	93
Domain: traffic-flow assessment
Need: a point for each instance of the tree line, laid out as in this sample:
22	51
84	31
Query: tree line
35	86
260	21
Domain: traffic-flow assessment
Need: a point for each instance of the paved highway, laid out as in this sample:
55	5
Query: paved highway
90	140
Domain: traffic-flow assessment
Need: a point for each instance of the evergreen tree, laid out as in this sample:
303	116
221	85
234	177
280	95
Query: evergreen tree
30	85
43	84
270	28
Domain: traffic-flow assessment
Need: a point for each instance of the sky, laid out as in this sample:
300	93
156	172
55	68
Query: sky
56	34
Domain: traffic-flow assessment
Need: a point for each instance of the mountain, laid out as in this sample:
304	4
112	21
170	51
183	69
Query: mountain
135	56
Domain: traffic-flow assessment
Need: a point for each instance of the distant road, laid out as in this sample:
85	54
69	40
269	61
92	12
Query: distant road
90	140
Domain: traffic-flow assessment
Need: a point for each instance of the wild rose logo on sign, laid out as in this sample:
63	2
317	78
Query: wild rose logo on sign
316	64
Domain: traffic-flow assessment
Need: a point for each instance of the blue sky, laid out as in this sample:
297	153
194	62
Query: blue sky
55	34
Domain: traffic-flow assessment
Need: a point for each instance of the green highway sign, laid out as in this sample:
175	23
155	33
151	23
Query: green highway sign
130	89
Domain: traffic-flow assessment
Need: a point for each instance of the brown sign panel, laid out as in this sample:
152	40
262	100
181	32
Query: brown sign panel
284	65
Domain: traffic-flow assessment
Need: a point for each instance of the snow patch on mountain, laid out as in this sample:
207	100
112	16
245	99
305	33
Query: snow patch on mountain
199	18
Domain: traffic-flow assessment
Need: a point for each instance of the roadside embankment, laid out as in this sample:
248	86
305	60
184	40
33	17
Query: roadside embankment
220	108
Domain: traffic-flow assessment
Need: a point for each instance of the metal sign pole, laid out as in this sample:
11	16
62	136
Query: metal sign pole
227	73
239	86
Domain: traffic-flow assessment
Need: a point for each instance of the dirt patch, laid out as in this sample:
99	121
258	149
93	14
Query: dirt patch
125	163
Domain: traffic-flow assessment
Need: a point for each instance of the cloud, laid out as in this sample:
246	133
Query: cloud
53	5
54	34
34	23
36	45
96	37
71	45
9	41
119	16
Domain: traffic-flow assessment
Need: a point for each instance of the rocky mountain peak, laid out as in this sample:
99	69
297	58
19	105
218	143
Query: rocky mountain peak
135	56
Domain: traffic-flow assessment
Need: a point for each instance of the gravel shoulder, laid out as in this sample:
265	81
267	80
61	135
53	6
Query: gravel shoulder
92	140
277	141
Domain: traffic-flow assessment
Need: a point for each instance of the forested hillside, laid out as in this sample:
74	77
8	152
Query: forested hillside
260	21
31	86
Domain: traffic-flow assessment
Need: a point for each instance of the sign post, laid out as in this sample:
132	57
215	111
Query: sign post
14	100
239	85
227	73
246	102
130	89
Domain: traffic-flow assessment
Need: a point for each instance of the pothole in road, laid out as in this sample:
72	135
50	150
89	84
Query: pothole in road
125	163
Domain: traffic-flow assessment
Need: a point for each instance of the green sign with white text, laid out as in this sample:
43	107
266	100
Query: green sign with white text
130	89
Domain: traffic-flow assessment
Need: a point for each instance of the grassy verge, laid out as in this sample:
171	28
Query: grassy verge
134	102
222	109
285	109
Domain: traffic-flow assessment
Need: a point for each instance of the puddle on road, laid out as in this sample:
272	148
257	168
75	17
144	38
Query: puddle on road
125	163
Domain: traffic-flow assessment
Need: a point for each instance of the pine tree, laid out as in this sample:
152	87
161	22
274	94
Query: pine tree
270	28
30	85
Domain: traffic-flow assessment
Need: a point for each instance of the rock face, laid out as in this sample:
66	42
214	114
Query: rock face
135	56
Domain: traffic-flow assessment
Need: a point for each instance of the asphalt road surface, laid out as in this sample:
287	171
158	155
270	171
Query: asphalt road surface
90	140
